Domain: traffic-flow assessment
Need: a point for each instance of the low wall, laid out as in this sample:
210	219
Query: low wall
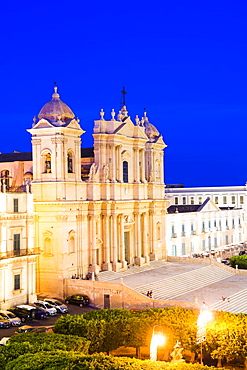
120	296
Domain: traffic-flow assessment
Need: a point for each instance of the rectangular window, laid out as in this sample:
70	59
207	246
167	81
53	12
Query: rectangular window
17	282
184	200
224	200
215	224
209	225
176	200
226	239
216	200
191	247
241	199
16	208
173	229
192	201
17	242
233	199
200	200
203	225
215	242
183	228
183	249
203	245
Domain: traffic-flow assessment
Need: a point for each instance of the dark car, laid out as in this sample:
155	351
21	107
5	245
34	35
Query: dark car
23	314
40	313
4	323
79	299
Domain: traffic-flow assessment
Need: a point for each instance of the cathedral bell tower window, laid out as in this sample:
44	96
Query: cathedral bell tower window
125	171
70	162
47	163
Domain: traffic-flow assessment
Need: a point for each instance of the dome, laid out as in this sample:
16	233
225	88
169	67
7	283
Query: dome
150	130
56	110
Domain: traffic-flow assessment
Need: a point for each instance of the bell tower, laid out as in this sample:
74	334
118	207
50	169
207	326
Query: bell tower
56	146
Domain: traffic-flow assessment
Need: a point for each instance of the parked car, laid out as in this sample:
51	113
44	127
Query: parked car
14	320
4	323
33	311
24	329
40	313
46	307
60	307
22	313
79	299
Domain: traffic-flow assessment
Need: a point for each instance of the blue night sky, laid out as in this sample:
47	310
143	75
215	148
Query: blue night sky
184	61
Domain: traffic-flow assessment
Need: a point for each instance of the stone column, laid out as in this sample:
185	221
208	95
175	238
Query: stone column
145	231
113	164
107	265
143	179
95	268
137	169
122	245
138	238
114	241
120	165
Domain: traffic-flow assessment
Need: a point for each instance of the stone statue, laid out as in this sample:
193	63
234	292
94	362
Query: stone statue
176	354
92	172
105	173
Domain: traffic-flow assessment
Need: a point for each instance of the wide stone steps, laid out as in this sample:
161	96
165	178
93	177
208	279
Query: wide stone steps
237	303
111	275
175	286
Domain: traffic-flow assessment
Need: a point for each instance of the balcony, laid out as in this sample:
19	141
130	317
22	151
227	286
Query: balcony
193	232
183	233
19	253
174	235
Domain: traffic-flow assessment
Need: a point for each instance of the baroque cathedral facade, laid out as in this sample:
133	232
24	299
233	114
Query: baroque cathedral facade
90	209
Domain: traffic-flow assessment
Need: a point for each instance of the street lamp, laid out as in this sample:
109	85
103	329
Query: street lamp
157	339
204	317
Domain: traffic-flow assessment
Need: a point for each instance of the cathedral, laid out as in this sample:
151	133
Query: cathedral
72	210
66	210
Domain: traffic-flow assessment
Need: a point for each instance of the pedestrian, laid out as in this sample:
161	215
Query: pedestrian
151	294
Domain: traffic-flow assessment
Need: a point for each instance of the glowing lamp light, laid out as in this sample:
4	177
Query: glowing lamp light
157	339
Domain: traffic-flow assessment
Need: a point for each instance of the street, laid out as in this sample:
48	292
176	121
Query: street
50	320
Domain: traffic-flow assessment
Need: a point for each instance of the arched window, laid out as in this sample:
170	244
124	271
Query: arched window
72	244
5	178
47	162
70	162
47	245
125	171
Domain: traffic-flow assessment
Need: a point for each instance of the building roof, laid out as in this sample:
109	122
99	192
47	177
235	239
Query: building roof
87	152
184	208
27	156
16	156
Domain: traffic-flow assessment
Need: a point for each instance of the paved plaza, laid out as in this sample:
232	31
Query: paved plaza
186	282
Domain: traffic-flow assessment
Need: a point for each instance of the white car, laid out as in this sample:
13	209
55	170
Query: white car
60	307
14	320
51	310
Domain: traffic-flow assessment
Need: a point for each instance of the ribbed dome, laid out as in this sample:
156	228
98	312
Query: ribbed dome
150	130
56	110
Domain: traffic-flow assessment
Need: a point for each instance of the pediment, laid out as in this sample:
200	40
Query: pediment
126	128
74	123
43	123
208	206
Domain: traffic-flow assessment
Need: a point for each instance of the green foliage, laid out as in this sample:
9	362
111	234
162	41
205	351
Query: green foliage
240	261
51	341
75	361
